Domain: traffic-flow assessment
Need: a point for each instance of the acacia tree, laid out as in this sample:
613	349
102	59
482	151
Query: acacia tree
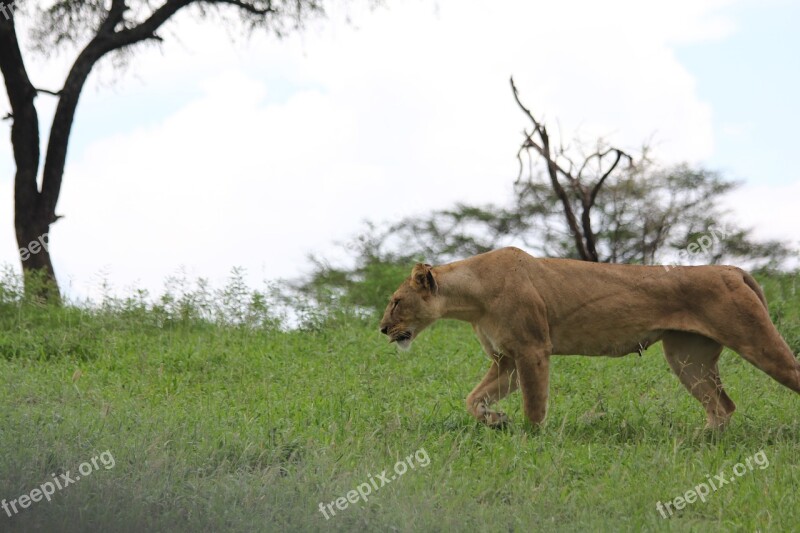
96	28
582	203
576	184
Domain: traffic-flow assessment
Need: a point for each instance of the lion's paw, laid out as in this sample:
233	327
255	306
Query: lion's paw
495	419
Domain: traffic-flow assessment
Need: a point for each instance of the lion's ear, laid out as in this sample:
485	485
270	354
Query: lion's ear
422	278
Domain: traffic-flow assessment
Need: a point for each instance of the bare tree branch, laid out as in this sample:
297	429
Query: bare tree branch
553	171
47	91
584	194
250	8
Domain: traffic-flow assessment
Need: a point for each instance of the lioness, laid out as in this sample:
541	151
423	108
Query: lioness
525	309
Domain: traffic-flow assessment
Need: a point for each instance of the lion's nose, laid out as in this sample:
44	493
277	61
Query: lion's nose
384	329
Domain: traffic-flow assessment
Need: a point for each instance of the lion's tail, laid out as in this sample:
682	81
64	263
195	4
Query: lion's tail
756	288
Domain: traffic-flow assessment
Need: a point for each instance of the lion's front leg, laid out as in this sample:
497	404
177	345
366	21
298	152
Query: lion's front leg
499	381
534	380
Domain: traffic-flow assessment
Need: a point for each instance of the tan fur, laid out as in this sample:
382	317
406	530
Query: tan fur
524	310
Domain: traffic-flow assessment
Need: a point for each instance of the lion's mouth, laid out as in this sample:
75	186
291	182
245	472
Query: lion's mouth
401	338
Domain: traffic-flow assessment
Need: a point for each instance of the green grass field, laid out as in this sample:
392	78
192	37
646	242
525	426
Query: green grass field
216	427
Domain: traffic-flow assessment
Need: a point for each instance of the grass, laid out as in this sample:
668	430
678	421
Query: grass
221	427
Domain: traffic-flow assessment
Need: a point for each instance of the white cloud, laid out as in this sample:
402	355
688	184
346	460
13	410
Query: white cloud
288	145
770	210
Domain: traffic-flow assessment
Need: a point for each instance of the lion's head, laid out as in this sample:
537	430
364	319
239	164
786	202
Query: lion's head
412	307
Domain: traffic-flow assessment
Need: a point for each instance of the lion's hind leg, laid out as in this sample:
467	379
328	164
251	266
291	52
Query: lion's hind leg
693	358
739	319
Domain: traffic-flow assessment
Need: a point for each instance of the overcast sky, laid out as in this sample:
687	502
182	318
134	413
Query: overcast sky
205	154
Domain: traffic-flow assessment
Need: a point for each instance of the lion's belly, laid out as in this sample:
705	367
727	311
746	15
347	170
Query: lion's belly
612	346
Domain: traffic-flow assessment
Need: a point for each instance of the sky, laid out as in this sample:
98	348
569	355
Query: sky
215	151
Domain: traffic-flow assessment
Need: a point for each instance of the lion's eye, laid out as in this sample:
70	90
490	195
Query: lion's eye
394	304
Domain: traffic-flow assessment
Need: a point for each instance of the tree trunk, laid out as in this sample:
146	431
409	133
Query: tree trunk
31	217
37	267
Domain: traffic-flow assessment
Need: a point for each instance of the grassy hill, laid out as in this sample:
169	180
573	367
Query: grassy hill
221	427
